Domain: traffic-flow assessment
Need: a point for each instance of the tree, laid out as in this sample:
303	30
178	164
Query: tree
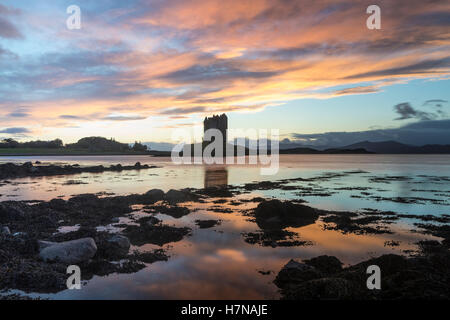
138	146
9	143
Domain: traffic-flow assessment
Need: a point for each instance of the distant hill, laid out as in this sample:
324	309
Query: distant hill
393	147
246	151
327	151
365	147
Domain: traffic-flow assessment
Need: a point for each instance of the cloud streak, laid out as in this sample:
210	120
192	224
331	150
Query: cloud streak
15	130
406	111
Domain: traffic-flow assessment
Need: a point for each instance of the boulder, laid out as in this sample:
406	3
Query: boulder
44	244
295	272
154	195
175	196
117	246
70	252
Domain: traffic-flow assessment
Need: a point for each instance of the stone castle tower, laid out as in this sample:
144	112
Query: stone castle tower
217	122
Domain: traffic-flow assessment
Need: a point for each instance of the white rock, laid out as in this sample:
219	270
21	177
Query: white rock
44	244
72	252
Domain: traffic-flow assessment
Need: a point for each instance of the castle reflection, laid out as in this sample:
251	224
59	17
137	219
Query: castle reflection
216	177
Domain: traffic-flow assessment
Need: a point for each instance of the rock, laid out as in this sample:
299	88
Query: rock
70	252
156	234
423	276
292	264
325	264
175	196
27	165
57	204
215	192
205	224
173	211
115	220
117	245
13	211
5	230
275	214
154	195
85	199
295	272
44	244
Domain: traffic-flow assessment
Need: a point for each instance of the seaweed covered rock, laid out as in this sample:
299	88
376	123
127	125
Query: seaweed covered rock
176	196
149	232
276	214
294	273
424	276
325	264
154	195
116	246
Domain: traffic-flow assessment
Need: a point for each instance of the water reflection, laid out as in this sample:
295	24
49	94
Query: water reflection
216	263
216	177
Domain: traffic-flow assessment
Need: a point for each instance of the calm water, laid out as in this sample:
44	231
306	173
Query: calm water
217	262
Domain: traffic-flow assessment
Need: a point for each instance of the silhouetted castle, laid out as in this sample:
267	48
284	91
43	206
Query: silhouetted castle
217	122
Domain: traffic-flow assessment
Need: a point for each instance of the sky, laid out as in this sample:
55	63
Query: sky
137	70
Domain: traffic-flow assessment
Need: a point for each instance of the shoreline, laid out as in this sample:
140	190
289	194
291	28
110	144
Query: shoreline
154	154
28	169
157	154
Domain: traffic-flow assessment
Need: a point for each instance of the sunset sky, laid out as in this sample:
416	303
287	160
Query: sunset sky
137	69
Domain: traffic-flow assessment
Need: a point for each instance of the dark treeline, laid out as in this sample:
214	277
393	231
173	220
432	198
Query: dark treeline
89	144
11	143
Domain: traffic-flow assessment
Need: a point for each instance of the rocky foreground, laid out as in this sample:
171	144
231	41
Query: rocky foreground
28	169
426	276
34	255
